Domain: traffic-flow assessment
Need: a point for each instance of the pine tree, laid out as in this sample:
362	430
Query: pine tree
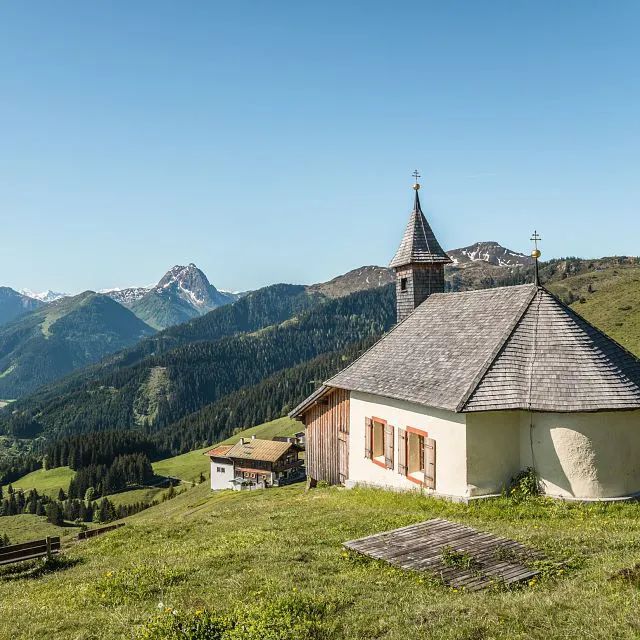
54	514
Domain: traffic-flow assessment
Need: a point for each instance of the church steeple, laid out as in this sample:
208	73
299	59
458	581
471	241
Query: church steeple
418	263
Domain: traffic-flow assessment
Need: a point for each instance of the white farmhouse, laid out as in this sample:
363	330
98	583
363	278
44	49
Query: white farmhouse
253	463
470	388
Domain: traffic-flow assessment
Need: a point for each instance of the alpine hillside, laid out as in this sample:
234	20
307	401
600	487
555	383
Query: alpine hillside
183	293
60	337
156	390
14	304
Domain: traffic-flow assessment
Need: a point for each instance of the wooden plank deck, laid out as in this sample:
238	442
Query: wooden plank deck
419	547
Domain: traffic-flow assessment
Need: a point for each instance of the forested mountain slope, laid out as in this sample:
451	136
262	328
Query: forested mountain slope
63	336
164	387
260	309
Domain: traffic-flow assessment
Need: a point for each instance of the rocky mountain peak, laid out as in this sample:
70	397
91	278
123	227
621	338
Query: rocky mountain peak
191	284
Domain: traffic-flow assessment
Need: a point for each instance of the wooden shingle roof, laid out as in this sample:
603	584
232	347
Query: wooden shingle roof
256	449
419	244
506	348
556	361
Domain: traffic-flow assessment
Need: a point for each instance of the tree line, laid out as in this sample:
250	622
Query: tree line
65	508
103	479
97	448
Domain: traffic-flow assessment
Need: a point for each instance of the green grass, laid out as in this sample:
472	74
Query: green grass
25	527
226	549
147	494
46	482
187	466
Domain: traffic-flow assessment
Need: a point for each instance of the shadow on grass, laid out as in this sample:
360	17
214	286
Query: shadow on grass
33	569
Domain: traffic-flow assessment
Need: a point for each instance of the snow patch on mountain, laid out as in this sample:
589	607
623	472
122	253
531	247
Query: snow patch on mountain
490	252
126	295
44	296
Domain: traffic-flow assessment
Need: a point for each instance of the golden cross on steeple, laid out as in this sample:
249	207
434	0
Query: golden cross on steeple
535	238
535	254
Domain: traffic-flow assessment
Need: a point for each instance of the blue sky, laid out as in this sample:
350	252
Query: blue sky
274	141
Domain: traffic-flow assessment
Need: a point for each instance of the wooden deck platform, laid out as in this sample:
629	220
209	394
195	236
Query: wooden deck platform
460	556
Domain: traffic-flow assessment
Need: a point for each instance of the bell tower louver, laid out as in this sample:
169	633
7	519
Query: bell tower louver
418	263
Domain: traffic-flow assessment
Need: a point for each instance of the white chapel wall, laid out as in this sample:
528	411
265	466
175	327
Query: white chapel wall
447	428
583	455
493	450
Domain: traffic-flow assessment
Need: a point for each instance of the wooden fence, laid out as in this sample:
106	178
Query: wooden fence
91	533
29	550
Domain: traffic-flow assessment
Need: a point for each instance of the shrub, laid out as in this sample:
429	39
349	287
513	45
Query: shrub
524	485
459	559
293	618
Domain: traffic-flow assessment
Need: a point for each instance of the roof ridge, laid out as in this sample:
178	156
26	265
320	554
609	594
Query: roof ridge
575	314
475	383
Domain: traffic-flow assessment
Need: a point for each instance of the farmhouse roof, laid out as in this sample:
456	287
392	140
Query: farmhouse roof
220	451
256	449
494	349
419	244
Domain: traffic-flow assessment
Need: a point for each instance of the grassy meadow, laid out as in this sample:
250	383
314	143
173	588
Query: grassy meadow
205	550
26	527
186	467
48	482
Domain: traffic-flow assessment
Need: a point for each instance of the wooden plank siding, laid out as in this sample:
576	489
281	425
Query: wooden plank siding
327	422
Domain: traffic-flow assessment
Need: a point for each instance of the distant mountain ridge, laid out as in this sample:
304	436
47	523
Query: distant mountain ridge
362	279
62	336
14	304
44	296
490	252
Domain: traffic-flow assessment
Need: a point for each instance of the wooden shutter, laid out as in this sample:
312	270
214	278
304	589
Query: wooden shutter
388	445
368	438
402	452
430	463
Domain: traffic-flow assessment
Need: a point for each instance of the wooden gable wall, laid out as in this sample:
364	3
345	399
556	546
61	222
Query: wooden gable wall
327	438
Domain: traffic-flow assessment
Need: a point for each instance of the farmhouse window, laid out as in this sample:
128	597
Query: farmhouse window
220	470
379	444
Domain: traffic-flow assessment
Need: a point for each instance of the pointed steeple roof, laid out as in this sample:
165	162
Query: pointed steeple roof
419	244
